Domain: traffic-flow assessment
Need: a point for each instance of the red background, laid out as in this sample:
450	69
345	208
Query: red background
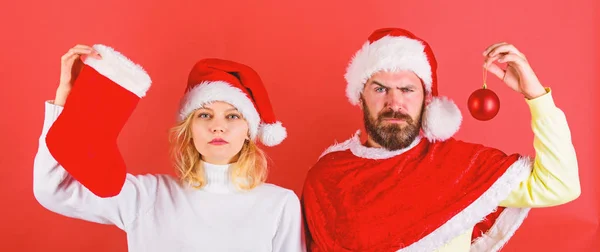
301	49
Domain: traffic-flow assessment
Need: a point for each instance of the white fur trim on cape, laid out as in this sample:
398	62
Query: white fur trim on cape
120	69
502	229
359	150
272	134
441	119
210	91
389	54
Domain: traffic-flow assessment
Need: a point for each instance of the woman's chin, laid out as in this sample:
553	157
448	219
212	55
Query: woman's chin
218	158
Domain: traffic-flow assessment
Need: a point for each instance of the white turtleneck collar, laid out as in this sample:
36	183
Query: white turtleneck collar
218	178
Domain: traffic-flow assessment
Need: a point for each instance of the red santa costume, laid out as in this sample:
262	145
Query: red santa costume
419	198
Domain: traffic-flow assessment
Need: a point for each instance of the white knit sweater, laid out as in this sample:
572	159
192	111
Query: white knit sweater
160	214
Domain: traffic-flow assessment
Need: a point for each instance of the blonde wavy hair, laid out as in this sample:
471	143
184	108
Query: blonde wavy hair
248	172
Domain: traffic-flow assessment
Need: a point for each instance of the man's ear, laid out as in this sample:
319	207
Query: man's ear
361	100
428	98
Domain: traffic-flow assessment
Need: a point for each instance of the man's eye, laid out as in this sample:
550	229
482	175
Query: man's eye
380	89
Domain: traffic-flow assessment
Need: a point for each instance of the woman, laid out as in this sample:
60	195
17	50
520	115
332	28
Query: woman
220	201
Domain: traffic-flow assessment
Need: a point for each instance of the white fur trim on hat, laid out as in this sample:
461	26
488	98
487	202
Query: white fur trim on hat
120	69
272	134
441	119
210	91
389	54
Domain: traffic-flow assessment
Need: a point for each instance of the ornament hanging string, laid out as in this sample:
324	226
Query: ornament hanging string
484	77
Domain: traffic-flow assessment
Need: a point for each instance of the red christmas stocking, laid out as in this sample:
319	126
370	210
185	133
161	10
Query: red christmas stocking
83	139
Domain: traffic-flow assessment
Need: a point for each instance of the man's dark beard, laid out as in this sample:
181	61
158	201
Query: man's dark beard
391	136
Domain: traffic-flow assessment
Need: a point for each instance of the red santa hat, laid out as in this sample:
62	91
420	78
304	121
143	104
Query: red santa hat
239	85
395	49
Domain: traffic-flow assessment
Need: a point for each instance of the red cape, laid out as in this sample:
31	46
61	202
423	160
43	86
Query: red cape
418	199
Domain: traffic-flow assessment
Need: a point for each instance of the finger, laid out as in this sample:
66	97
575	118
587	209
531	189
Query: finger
79	51
515	59
504	49
74	54
69	56
489	60
70	62
83	46
93	53
490	48
496	70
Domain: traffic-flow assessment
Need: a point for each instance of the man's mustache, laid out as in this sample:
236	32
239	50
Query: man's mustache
391	114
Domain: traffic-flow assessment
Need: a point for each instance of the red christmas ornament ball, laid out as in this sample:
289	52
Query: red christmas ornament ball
484	104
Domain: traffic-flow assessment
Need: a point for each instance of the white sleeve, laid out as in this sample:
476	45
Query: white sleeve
289	235
58	192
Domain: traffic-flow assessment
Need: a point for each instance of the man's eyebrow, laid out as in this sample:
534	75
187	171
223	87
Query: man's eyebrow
379	84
